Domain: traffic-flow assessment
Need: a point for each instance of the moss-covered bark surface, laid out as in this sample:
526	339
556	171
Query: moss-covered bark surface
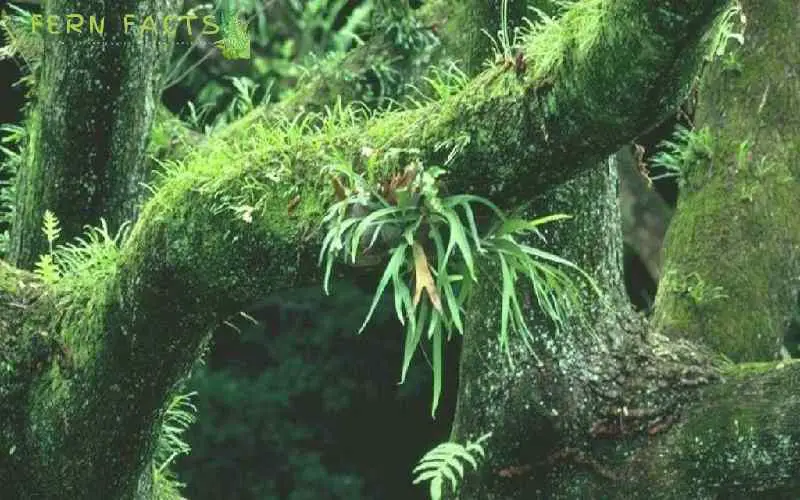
635	414
735	241
88	136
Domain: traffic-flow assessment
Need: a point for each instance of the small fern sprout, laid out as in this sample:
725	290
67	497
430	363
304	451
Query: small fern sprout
51	228
682	152
46	266
444	463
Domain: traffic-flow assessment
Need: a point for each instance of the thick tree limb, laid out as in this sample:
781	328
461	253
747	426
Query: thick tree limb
732	261
527	130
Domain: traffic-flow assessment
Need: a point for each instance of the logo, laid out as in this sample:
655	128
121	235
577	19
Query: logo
235	43
233	30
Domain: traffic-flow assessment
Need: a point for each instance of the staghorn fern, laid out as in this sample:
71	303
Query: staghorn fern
434	242
444	463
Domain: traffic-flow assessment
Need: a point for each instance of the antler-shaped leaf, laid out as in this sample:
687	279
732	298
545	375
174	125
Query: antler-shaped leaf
424	280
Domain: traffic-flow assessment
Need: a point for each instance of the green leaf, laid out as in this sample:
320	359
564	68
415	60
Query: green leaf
548	219
369	220
444	462
413	335
398	256
436	488
505	309
452	201
458	236
473	225
400	293
327	279
437	370
51	227
564	262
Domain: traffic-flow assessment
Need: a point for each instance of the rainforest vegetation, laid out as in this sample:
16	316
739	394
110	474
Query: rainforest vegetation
400	249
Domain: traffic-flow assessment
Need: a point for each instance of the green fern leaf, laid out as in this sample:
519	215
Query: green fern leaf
46	269
444	462
51	228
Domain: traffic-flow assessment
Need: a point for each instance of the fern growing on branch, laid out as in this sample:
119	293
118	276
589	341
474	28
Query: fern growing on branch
435	248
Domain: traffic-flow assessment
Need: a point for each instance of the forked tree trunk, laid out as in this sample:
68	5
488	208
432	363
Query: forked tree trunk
617	418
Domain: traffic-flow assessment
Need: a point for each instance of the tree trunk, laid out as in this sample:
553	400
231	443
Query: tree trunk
97	97
620	411
737	226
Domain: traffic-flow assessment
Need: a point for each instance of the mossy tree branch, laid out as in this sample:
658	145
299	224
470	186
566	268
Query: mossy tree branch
566	109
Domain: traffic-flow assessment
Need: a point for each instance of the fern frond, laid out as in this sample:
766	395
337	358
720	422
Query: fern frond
179	415
445	463
51	228
46	269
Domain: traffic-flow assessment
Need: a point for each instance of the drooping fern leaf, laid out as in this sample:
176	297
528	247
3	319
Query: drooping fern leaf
445	463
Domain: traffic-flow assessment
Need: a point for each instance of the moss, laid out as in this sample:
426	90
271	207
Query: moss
736	224
26	349
751	369
740	439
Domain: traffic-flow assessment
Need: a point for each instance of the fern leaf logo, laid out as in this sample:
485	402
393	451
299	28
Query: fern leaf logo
235	43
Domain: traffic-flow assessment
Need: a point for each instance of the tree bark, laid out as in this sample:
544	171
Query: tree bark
634	414
737	226
97	98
